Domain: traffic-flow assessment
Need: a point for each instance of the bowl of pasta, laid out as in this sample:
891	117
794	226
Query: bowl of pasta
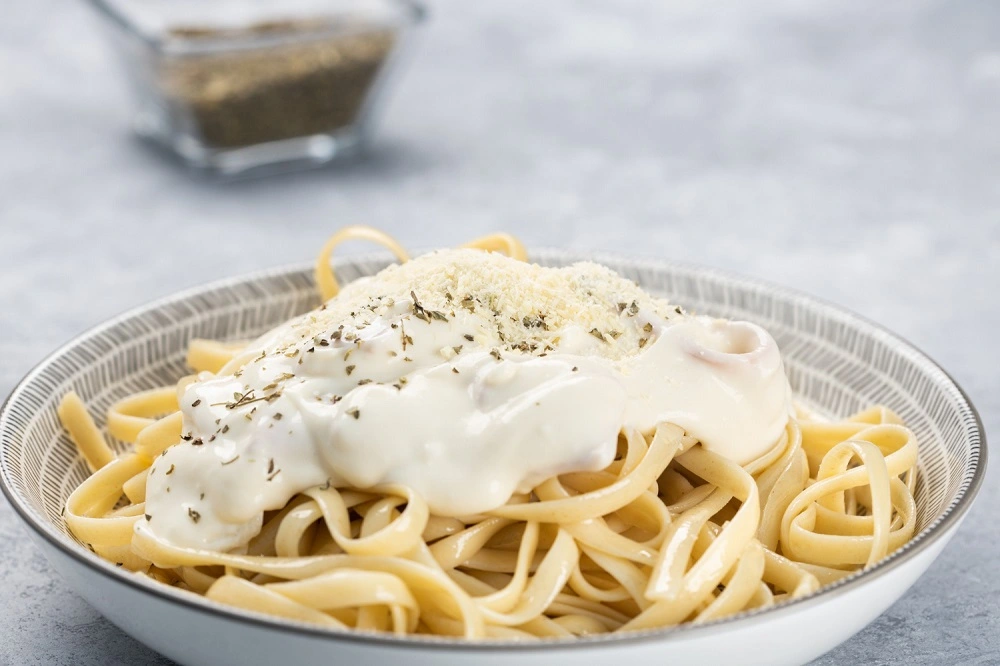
484	453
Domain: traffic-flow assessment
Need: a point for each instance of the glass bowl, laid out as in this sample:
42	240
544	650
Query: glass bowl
242	86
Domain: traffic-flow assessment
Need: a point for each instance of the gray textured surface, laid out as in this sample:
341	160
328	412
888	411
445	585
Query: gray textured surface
846	148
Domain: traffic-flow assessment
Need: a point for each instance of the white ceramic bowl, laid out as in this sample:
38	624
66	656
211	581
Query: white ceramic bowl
837	362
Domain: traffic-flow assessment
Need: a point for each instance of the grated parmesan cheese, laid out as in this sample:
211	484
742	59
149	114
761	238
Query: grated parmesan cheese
517	306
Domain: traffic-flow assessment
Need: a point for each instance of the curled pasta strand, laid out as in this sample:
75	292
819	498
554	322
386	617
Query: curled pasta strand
631	577
157	437
326	279
459	548
130	415
505	598
212	355
397	537
885	451
88	505
585	589
676	597
809	547
236	591
661	451
741	585
502	243
294	528
552	574
430	587
349	588
779	484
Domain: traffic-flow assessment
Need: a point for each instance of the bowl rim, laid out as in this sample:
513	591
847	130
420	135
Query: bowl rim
409	13
948	519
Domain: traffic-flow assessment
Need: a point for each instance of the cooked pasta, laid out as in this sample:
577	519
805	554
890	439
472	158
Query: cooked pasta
669	526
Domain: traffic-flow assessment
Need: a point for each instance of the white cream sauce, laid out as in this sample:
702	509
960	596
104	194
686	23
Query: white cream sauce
464	423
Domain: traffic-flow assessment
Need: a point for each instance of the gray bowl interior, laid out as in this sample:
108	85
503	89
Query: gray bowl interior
837	363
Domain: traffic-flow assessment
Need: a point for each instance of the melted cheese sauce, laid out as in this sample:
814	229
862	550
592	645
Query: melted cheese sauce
439	401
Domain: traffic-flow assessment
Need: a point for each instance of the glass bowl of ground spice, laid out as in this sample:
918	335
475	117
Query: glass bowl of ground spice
238	87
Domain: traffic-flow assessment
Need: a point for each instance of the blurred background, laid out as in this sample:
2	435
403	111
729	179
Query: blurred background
842	147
